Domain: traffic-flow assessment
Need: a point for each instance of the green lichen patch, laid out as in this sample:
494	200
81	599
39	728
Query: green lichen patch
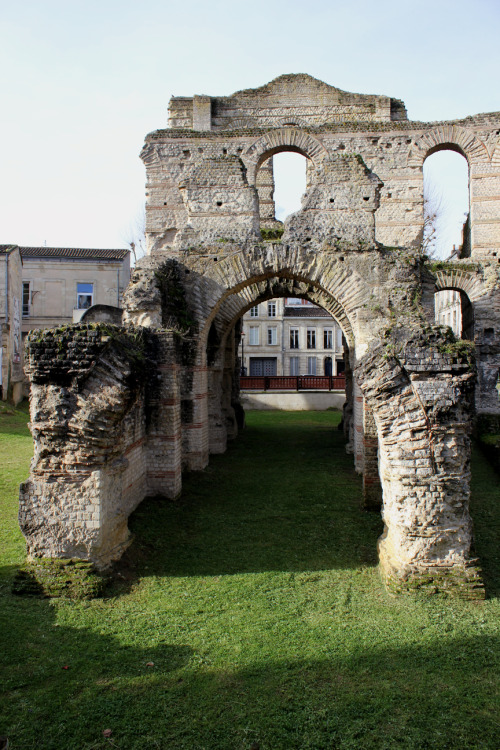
50	577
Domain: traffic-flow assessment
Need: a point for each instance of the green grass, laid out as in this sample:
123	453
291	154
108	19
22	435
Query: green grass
257	598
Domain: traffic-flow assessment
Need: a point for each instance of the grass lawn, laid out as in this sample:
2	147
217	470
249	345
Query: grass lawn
257	601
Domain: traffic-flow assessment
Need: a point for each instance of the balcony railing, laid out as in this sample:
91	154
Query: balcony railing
292	382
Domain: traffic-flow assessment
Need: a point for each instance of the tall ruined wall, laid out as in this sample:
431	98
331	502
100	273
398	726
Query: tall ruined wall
118	413
299	113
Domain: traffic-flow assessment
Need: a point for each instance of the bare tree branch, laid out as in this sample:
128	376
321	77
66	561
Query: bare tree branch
135	235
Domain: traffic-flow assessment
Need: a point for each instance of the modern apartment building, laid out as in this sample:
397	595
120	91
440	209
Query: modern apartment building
290	336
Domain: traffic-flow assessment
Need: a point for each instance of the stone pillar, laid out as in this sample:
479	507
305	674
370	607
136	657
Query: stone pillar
372	489
227	387
422	404
87	419
484	181
202	113
348	410
194	417
217	425
265	189
163	423
358	428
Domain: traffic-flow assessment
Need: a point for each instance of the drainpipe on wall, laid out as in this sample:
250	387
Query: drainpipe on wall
118	287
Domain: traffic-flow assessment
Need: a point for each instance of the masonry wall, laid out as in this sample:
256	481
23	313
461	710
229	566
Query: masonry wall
87	410
107	435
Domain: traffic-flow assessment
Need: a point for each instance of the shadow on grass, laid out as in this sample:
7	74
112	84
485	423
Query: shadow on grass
284	497
485	512
439	693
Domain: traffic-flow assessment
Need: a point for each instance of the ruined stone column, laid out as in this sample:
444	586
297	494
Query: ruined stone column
194	417
421	392
163	421
372	490
87	419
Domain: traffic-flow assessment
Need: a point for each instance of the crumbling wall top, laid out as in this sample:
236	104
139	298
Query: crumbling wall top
297	99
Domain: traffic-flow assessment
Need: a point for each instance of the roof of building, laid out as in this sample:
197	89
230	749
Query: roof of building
4	249
303	311
81	253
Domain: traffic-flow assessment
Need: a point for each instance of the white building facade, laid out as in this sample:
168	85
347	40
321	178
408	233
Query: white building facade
290	336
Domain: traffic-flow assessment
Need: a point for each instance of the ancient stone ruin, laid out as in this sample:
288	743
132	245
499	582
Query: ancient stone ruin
118	411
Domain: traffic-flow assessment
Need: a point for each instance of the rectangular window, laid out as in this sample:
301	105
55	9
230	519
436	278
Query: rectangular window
26	299
271	309
311	338
294	338
84	296
327	338
311	365
272	335
339	338
254	336
254	312
294	365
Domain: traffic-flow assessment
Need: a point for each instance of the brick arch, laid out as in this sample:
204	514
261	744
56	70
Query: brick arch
282	139
495	159
334	280
237	301
460	280
452	137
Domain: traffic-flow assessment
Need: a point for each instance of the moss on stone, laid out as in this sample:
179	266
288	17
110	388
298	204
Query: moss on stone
447	265
66	578
460	349
272	234
464	582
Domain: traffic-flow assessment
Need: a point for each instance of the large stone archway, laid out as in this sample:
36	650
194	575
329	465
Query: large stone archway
118	412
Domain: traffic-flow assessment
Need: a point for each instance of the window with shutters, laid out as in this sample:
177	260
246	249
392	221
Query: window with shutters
26	299
294	366
311	365
272	335
253	338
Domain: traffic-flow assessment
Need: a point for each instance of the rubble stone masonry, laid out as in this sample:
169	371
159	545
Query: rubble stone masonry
118	412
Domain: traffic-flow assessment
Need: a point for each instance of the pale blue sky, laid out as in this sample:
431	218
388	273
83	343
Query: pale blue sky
84	81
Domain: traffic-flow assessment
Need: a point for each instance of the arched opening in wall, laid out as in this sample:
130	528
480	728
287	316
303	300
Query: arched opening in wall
281	183
453	308
268	341
446	203
290	337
